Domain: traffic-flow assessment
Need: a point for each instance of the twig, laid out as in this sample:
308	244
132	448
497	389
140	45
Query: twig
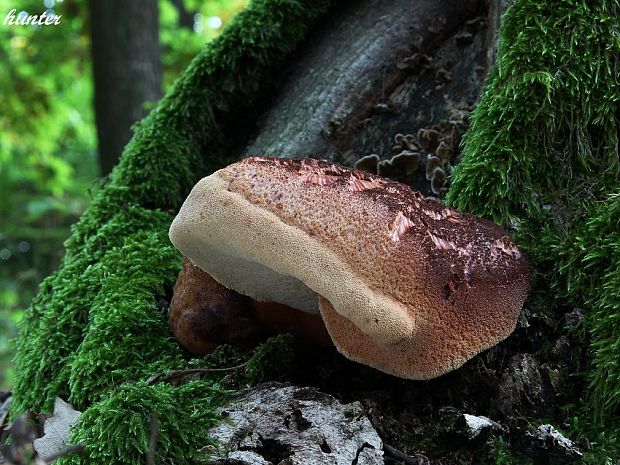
176	374
399	455
66	451
150	455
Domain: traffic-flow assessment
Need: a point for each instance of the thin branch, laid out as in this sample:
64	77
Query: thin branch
176	374
150	455
399	455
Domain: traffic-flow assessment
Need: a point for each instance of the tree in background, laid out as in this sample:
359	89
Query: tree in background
186	18
127	70
47	149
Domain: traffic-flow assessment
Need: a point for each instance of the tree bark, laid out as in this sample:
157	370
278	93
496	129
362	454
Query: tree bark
186	18
377	68
127	70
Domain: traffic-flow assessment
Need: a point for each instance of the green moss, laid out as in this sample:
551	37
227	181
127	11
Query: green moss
59	316
127	337
95	333
605	442
234	369
545	129
541	156
272	360
117	429
588	266
502	455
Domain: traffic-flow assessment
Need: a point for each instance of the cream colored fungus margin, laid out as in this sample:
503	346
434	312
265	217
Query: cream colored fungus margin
252	251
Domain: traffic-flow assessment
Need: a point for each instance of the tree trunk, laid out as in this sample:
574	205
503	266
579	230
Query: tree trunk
186	18
373	72
127	70
344	97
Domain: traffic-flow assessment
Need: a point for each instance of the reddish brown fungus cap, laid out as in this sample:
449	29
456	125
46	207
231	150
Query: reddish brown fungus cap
405	285
203	314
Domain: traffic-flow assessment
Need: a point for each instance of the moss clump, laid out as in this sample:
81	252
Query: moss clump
117	430
127	337
541	156
95	333
588	266
60	315
272	360
546	128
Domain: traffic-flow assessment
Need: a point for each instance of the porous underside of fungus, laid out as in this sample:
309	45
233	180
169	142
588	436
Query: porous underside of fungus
407	285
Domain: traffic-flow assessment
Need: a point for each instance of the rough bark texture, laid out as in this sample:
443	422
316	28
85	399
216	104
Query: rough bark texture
365	77
127	70
276	424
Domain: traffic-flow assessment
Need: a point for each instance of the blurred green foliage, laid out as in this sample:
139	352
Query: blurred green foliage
48	147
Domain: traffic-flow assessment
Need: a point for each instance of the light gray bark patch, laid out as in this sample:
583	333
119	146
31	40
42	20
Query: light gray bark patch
297	426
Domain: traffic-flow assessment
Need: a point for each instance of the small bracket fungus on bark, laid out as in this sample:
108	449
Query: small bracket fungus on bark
403	284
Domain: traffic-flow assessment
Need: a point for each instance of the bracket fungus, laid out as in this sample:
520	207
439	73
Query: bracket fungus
204	314
403	283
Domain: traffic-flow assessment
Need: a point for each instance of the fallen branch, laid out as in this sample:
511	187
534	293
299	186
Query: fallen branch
406	459
173	375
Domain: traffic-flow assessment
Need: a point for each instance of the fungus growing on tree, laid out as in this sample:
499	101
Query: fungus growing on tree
432	162
368	163
204	314
403	284
399	166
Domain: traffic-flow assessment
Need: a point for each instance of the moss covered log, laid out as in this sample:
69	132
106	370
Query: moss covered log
541	157
95	332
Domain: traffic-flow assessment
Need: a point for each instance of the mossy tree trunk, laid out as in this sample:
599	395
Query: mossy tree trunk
543	152
294	78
